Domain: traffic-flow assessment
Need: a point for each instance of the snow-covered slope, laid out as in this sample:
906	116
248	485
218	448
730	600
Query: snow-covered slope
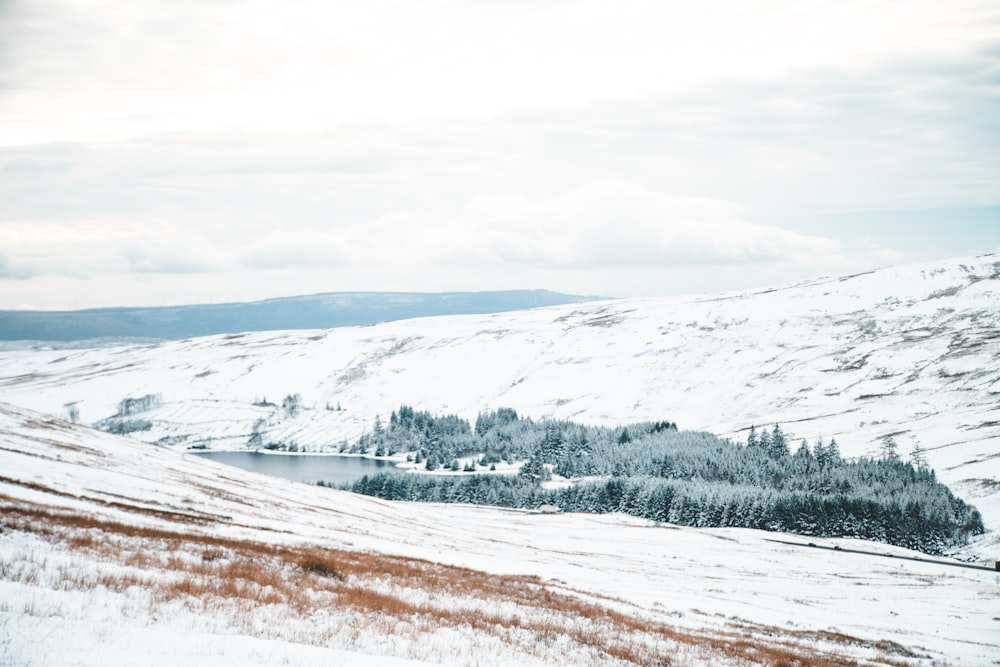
112	551
912	351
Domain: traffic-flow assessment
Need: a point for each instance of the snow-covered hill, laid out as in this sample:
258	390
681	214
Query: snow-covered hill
118	552
912	351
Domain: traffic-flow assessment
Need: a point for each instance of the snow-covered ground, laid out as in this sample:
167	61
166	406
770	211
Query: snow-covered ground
912	351
700	596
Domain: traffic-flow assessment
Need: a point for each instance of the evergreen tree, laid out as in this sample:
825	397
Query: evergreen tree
534	469
890	451
779	448
828	455
764	441
834	451
552	446
803	451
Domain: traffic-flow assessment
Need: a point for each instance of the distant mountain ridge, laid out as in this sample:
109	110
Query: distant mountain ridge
316	311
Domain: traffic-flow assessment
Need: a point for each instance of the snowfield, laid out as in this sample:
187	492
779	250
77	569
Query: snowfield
116	551
911	351
119	552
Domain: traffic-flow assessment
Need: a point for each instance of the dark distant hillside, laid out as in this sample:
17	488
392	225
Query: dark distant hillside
318	311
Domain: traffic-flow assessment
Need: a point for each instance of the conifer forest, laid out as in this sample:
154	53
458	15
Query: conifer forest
655	471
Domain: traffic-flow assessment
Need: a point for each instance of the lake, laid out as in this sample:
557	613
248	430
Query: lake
305	468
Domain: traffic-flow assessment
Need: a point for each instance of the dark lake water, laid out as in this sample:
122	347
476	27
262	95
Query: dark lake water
305	468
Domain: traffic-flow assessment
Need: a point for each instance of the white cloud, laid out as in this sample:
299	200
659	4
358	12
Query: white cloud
158	255
299	249
597	226
877	253
621	225
10	270
572	144
82	248
113	69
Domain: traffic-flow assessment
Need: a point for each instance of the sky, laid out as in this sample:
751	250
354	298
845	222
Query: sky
157	153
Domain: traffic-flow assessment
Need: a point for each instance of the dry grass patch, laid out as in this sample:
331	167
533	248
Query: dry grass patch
408	595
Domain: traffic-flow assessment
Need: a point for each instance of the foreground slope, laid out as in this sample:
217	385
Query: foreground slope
162	557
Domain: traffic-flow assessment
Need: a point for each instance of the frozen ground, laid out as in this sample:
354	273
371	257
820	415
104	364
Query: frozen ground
228	579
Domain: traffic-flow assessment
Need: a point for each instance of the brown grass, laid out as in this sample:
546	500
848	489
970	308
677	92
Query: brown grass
131	507
206	569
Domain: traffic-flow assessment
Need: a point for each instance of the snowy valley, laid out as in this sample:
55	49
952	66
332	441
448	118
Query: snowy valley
912	352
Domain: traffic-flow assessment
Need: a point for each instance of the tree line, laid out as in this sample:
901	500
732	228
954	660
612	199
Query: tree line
655	471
